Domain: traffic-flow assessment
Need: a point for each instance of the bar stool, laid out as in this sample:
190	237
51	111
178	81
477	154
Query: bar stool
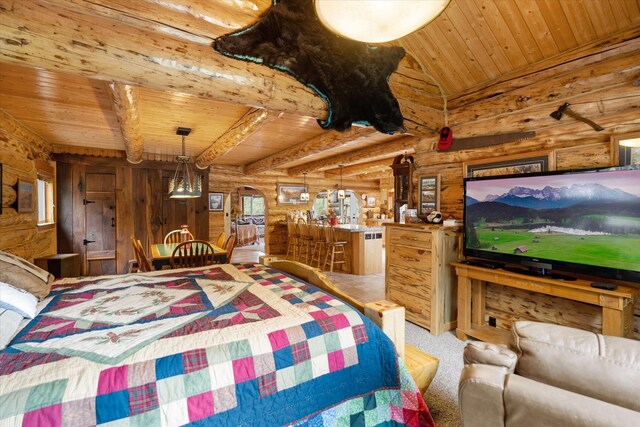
334	248
305	240
293	240
319	241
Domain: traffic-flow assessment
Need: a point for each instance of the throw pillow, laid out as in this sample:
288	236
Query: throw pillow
17	300
22	274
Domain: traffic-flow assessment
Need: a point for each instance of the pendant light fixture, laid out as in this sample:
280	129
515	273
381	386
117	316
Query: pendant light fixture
341	189
304	196
185	184
377	21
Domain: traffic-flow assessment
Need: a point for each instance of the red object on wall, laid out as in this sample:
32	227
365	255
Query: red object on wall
446	139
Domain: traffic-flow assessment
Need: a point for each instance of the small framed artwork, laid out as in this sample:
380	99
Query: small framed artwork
371	202
216	202
429	195
509	165
289	194
25	196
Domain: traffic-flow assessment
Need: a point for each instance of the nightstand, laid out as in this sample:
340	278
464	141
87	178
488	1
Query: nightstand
60	265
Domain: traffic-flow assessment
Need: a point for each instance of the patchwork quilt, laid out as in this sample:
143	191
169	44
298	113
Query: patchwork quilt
235	345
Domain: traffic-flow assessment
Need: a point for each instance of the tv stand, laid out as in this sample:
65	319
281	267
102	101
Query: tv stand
617	304
541	272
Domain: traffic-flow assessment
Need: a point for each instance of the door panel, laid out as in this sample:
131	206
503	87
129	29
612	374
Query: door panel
100	224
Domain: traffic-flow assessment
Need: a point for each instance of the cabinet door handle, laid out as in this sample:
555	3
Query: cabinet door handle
113	222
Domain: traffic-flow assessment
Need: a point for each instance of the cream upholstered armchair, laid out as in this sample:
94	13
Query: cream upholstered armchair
551	376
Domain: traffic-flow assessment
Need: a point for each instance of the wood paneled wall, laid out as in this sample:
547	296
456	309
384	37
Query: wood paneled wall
228	179
21	153
139	203
586	150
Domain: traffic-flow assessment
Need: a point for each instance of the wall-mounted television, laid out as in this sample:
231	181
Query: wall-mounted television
585	221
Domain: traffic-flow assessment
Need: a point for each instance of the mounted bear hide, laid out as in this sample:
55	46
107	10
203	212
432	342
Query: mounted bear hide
350	76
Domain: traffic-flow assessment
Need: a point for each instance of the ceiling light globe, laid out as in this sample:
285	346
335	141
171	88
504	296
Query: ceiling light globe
377	21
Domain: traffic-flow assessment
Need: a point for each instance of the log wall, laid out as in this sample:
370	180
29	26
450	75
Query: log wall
21	153
572	151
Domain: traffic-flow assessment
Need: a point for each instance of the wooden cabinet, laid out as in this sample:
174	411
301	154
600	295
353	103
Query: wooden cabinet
60	265
418	274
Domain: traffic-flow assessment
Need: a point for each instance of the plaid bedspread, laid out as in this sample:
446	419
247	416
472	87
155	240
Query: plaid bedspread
236	345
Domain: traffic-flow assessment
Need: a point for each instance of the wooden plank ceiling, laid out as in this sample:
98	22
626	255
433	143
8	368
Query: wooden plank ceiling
472	45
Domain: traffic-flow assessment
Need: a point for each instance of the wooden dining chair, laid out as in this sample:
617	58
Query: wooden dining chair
222	239
174	236
143	262
229	246
194	253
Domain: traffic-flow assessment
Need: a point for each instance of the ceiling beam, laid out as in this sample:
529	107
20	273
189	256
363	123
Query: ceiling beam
240	131
114	44
548	94
398	146
597	51
125	106
61	36
372	176
324	141
361	168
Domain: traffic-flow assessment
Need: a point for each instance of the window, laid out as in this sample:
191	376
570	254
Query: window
252	205
45	198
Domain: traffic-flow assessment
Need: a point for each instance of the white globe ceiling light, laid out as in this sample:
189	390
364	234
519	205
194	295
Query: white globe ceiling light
377	21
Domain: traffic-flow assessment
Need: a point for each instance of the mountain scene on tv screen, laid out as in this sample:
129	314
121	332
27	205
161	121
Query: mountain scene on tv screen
591	219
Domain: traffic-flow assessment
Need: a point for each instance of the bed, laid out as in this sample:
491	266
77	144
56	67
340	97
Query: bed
236	345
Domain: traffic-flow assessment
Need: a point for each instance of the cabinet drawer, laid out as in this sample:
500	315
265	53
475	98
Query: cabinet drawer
400	236
417	310
414	282
409	257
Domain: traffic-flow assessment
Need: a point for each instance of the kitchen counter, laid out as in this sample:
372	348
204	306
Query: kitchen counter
363	248
358	228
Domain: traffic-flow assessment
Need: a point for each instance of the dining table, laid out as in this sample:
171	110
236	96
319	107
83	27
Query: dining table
161	254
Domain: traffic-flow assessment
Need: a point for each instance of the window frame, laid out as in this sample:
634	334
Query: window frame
46	173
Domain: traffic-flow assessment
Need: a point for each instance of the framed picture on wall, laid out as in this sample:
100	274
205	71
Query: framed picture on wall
429	195
371	201
289	194
509	165
216	202
25	201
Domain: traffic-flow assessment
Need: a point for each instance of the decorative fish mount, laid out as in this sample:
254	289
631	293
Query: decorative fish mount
350	76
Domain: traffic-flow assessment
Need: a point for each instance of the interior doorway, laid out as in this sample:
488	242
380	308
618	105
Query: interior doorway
249	218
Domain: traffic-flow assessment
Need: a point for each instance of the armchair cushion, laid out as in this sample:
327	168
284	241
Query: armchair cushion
490	354
603	367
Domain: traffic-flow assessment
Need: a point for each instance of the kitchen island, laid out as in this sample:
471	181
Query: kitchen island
363	248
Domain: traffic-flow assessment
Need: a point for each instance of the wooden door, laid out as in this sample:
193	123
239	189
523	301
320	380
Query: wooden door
100	224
